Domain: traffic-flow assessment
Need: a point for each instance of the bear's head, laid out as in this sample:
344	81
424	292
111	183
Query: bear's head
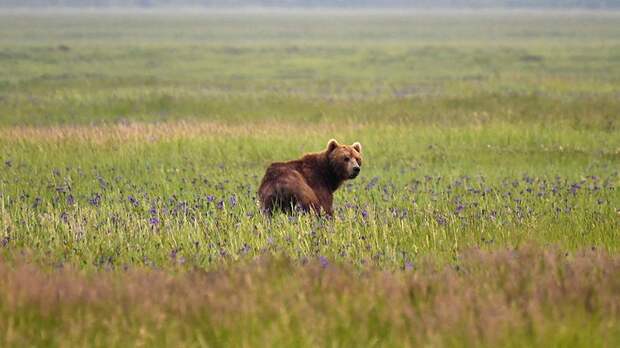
344	160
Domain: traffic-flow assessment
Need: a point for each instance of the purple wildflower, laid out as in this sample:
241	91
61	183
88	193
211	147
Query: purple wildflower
324	261
233	200
210	198
441	220
373	182
459	209
133	200
364	214
154	221
64	217
408	266
245	249
95	200
70	200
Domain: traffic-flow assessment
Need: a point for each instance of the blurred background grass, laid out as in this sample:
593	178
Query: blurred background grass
412	67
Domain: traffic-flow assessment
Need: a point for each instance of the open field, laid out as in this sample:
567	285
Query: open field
132	145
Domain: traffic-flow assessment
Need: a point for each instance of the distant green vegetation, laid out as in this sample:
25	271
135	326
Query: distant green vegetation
415	68
136	142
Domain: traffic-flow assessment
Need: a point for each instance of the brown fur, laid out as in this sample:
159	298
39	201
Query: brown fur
310	182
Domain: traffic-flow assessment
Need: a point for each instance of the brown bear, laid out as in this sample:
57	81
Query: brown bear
308	183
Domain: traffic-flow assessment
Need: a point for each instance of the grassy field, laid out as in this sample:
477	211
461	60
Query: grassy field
487	211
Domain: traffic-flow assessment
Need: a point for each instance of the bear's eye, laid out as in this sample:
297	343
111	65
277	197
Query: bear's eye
347	159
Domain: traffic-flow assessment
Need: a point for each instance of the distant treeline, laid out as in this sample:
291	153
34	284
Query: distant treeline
593	4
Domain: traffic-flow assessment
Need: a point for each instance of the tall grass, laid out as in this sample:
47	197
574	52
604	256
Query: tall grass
136	194
529	297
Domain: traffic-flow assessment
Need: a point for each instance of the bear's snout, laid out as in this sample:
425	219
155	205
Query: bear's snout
355	173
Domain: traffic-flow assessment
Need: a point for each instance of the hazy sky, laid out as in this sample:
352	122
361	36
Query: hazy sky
595	4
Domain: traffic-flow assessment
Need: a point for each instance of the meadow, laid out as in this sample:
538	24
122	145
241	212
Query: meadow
486	213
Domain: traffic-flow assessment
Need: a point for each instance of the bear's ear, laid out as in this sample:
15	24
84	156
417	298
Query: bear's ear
357	146
331	145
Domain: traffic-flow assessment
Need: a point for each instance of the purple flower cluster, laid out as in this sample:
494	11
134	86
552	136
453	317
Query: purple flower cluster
407	199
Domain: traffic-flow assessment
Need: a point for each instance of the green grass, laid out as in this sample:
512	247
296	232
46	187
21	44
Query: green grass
136	142
305	67
179	175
